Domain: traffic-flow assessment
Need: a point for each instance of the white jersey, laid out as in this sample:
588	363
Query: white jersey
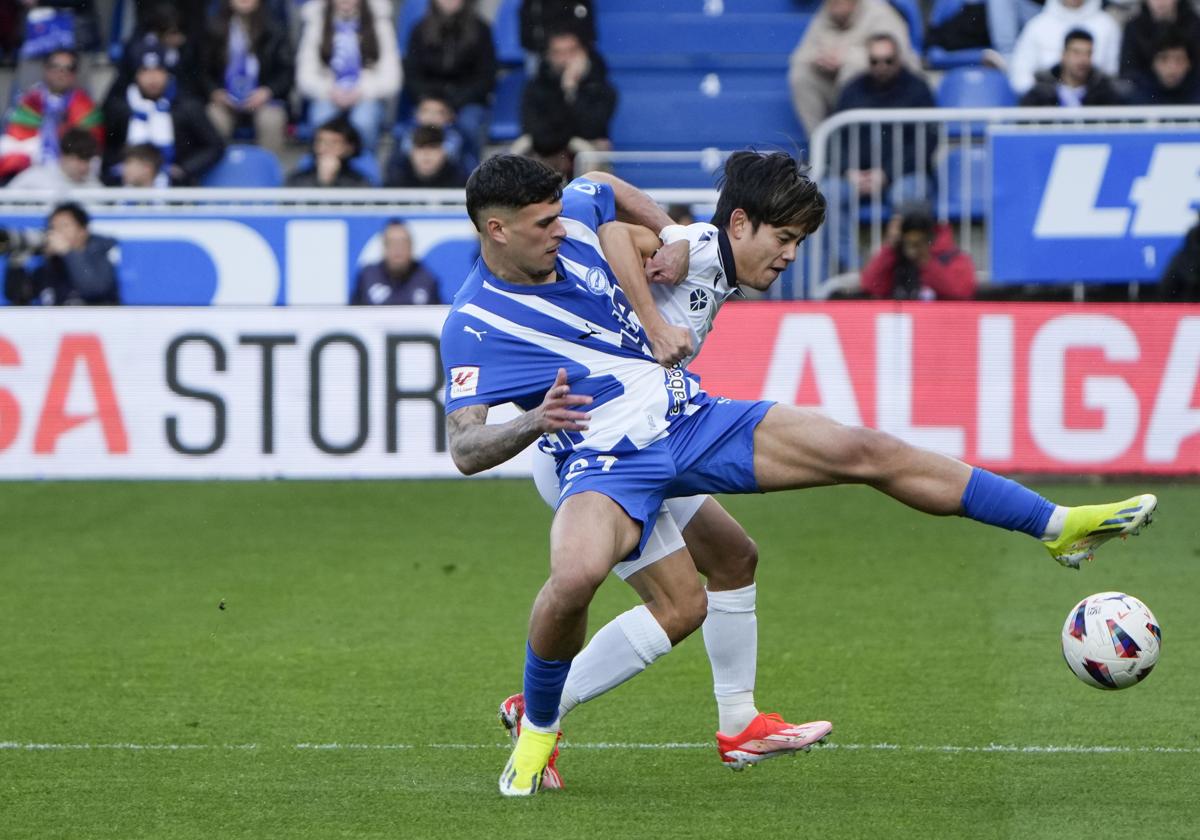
711	281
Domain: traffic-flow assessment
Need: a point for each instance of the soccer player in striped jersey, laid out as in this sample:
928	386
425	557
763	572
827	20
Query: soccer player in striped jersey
542	323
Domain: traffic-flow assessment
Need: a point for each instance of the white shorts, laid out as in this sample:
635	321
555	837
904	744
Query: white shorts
665	539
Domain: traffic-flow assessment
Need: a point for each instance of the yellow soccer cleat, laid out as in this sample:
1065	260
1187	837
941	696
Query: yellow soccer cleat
522	775
1089	526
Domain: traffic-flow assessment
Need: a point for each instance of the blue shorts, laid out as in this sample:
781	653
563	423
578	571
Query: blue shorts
711	451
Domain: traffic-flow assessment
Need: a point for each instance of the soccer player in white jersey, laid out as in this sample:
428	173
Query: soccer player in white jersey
693	532
541	323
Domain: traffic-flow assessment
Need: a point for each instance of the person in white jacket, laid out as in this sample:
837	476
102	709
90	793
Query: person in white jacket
1040	44
348	62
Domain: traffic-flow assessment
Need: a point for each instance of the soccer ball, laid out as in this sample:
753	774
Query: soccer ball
1111	640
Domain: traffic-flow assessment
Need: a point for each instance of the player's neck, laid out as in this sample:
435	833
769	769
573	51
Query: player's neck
510	273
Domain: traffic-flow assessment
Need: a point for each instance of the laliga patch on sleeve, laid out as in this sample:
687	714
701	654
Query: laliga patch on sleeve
464	381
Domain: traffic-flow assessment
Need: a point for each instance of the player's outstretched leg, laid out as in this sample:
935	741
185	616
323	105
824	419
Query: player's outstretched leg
795	448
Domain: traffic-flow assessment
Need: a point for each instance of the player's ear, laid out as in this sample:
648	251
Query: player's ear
493	227
739	223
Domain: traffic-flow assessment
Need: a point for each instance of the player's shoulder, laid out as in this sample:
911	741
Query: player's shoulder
592	203
705	252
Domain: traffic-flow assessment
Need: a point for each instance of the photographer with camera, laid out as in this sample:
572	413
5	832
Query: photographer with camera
919	260
76	266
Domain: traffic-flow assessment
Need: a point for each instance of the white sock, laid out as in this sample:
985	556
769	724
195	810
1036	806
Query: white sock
731	638
1054	525
552	729
620	650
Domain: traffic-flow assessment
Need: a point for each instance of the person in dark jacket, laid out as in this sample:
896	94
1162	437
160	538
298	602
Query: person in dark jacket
1143	32
1074	82
919	260
540	18
250	72
569	103
175	123
335	144
79	267
426	165
167	27
886	84
450	56
1181	281
1174	80
397	279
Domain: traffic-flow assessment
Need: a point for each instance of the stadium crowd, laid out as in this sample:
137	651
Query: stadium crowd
365	93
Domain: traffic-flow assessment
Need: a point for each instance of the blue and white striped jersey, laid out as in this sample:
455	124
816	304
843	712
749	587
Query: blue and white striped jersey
505	343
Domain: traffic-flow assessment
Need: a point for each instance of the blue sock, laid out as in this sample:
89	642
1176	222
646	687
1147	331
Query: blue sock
544	680
1001	501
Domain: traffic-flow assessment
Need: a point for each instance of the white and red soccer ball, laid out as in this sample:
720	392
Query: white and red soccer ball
1111	640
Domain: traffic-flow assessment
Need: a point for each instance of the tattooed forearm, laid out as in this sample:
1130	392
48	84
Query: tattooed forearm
476	446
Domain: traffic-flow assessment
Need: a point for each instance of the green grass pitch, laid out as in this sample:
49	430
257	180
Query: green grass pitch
349	687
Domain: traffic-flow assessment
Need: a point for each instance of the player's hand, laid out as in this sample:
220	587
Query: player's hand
671	344
557	412
670	263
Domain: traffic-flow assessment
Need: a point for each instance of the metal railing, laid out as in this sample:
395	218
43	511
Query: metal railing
961	130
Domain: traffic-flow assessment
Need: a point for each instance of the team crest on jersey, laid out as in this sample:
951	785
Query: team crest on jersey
597	283
698	300
464	381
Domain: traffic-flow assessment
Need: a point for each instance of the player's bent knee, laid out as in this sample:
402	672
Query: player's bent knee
573	588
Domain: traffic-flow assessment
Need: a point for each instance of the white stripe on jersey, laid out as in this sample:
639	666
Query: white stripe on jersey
578	230
544	306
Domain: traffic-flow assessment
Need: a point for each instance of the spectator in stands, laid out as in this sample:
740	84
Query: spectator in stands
886	84
190	16
165	27
1006	19
335	144
426	166
1039	46
142	167
250	72
79	267
567	106
1143	34
1181	281
834	50
397	279
919	260
76	167
541	18
348	62
44	113
435	111
49	26
1173	80
1074	82
450	56
173	121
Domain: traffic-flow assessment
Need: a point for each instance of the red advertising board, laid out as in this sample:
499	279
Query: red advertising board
1016	387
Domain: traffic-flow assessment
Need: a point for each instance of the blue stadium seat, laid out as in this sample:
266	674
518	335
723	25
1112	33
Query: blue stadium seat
245	166
949	171
691	120
450	262
506	108
411	12
365	165
975	87
911	13
680	80
683	41
666	176
696	7
943	59
506	33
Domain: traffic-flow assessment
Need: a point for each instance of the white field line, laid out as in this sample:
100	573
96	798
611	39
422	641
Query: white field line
1035	749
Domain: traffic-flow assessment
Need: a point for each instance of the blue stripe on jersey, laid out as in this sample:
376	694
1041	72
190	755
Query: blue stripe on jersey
589	202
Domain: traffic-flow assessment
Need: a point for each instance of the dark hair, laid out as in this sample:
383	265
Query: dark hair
163	19
1173	39
510	181
72	209
1078	35
341	125
563	29
146	153
61	51
772	188
219	37
80	143
916	217
395	221
884	36
428	135
449	33
368	43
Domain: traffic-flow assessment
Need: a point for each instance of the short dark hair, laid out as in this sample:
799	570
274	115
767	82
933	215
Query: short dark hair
1078	35
146	153
72	209
46	59
1173	39
917	216
884	36
772	188
428	135
80	143
341	125
512	182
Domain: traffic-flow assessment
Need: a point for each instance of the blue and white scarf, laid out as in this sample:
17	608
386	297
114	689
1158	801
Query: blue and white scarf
242	68
346	61
150	122
54	107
